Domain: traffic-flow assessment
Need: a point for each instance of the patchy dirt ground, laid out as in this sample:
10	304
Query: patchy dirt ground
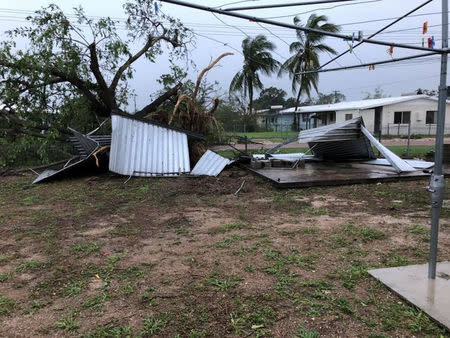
186	257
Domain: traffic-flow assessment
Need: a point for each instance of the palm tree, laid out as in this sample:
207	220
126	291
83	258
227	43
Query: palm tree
257	58
306	56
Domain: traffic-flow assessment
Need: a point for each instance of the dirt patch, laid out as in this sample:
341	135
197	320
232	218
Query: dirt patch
187	256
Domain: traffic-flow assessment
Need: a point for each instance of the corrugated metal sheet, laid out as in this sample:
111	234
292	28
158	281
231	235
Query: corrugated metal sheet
415	163
343	131
399	164
343	150
210	164
141	148
338	141
102	140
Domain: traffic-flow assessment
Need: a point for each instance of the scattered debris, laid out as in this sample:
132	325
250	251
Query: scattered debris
240	188
342	153
92	158
210	164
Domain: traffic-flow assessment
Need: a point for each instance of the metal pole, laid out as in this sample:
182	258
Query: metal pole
300	28
437	182
409	139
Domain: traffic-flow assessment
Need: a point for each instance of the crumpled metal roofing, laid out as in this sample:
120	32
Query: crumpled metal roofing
399	164
141	148
343	131
338	141
88	147
210	164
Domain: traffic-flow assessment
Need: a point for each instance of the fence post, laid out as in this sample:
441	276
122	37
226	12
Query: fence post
409	139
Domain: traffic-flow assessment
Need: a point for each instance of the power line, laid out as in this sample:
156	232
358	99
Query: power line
123	20
215	15
367	64
320	9
234	3
295	27
290	4
377	32
387	19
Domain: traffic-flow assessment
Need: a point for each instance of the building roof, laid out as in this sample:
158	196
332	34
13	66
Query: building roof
352	105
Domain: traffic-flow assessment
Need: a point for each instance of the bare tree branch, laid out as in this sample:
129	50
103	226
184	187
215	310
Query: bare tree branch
203	72
150	43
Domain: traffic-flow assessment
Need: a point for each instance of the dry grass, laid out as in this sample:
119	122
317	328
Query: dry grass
96	257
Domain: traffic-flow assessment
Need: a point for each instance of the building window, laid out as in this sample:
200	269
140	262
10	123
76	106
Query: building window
431	117
348	117
402	117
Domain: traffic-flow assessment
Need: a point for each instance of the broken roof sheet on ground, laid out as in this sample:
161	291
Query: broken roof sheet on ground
343	140
210	164
141	147
348	140
88	147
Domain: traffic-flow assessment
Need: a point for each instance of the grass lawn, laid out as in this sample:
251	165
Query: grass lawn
185	257
415	151
266	135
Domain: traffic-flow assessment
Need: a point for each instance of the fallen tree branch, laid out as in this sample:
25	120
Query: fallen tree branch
240	188
158	101
175	109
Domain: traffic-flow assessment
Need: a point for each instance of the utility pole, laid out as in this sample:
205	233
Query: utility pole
437	182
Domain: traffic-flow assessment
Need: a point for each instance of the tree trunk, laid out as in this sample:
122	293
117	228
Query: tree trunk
296	107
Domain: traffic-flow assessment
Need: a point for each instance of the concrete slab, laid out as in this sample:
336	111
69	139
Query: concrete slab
335	173
411	283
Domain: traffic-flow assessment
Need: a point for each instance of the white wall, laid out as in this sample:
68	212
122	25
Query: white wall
418	109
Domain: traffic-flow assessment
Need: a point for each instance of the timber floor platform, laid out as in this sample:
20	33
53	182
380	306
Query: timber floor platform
336	173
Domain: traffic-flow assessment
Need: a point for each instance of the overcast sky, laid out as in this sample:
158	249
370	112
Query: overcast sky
215	37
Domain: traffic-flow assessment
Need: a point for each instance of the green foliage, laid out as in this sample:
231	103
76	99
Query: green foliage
233	226
84	249
153	325
352	274
257	59
306	54
303	332
111	331
68	323
270	97
76	67
223	284
7	305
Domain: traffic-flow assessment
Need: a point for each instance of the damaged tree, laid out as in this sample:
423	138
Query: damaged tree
192	116
64	61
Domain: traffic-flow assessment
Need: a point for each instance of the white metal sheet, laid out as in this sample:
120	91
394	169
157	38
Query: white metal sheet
415	163
399	164
210	164
142	149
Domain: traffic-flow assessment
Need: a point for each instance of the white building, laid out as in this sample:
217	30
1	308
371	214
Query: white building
390	115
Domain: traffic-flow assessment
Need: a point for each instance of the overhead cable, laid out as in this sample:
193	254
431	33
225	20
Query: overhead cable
295	27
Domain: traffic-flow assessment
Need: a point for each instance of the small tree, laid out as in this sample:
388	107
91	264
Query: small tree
270	97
